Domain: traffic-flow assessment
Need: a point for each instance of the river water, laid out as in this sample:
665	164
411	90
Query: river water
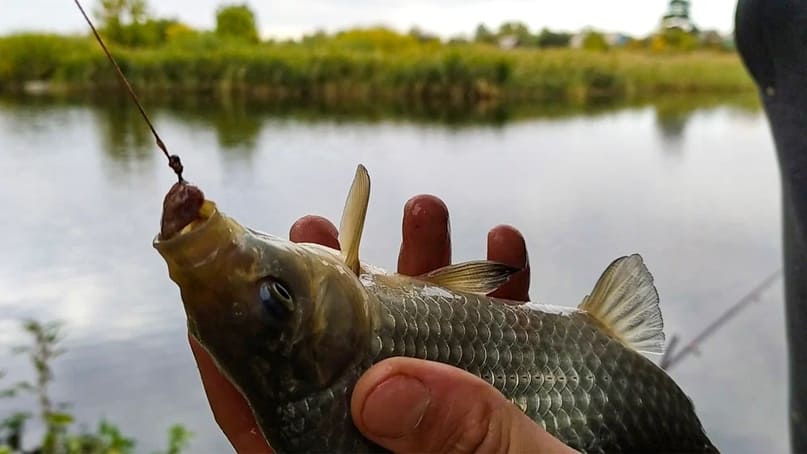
692	186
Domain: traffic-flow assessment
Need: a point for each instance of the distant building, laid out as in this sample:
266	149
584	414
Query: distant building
617	39
509	42
677	16
577	39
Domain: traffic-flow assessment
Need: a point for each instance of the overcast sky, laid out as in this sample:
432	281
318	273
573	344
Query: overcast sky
291	18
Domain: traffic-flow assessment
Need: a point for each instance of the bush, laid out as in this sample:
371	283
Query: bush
595	41
31	56
236	22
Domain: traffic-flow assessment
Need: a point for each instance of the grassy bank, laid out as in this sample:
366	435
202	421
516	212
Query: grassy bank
392	67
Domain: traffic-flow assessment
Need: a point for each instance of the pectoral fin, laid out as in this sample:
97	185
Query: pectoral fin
478	276
352	224
625	302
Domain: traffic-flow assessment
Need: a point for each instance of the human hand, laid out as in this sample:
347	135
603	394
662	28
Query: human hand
434	412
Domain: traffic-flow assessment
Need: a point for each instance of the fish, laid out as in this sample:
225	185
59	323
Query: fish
294	325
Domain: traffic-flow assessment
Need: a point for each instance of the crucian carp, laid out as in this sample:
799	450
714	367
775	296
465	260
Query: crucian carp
294	326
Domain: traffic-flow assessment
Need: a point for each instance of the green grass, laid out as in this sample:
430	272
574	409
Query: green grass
367	66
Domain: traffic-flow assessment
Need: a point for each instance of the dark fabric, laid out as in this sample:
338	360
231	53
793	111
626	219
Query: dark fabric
772	39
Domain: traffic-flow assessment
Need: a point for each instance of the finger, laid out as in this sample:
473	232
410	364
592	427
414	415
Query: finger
314	229
410	405
230	409
507	245
426	236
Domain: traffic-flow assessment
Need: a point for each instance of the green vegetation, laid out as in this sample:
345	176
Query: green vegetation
127	22
55	417
348	66
512	63
595	41
236	22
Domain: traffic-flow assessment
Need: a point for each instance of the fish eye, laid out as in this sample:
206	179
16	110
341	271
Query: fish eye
276	298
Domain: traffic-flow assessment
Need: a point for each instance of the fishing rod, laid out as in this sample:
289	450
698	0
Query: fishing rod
173	160
673	356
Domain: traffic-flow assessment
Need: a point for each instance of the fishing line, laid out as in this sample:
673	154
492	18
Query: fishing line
173	160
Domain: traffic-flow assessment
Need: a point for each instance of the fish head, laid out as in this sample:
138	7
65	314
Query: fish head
279	318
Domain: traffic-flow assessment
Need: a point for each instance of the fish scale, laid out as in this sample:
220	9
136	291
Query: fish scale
582	385
560	370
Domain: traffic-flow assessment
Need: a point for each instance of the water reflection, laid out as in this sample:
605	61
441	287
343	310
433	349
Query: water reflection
671	125
238	121
124	135
237	126
674	114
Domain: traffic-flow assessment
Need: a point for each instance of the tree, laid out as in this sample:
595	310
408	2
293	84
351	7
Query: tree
519	31
548	38
595	41
118	17
712	39
674	39
122	11
236	22
457	40
178	31
423	36
484	35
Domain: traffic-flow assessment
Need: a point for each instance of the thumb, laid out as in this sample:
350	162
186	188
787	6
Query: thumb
410	405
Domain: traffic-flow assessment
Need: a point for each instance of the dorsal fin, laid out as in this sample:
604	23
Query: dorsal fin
625	302
352	224
478	276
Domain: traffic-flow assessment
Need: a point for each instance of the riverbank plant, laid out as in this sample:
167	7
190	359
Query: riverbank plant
364	64
54	418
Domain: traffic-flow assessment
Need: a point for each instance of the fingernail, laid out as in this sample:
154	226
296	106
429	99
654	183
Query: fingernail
426	216
506	245
426	236
314	229
396	407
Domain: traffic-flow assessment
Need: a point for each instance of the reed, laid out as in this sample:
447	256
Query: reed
367	66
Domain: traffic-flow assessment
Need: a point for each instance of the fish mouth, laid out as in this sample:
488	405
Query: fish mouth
182	207
203	215
193	230
202	218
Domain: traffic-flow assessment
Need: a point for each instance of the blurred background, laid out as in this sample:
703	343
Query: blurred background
597	128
